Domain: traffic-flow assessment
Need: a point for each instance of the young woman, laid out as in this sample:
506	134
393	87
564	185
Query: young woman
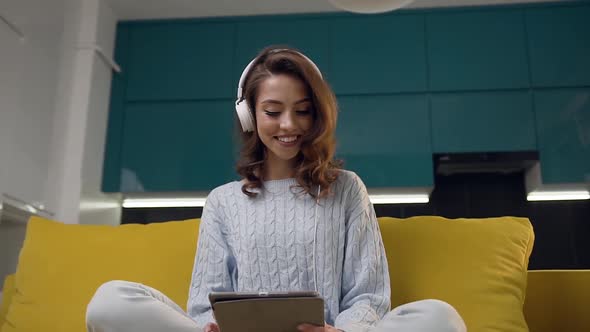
295	221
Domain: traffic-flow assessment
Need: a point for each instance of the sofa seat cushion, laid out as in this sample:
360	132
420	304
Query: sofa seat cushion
61	266
477	265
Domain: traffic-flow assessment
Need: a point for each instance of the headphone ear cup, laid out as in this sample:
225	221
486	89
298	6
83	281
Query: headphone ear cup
245	116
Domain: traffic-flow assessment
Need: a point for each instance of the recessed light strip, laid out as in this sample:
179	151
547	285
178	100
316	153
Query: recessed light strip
399	199
130	203
572	195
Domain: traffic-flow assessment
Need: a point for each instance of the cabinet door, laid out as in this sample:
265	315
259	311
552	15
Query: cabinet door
309	35
477	122
559	43
471	50
180	61
386	140
563	126
378	54
177	146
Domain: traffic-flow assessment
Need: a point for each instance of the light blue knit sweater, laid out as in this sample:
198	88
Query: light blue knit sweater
266	244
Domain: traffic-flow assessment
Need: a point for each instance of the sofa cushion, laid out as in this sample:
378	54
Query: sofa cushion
477	265
61	266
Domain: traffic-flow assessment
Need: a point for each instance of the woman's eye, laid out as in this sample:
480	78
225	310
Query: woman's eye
304	112
269	113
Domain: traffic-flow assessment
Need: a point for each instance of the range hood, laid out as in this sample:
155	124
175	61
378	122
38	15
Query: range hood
526	162
485	162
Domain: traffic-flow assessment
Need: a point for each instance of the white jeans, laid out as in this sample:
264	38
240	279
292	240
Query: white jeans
122	306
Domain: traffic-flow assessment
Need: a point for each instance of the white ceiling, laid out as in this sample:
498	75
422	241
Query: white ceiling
150	9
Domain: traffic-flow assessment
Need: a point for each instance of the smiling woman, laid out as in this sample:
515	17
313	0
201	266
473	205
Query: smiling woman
260	235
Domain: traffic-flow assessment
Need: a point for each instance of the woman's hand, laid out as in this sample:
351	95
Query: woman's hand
211	327
314	328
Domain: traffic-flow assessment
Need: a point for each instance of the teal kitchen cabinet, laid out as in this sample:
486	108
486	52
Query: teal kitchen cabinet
477	50
559	43
183	60
181	146
409	83
378	54
386	140
483	122
563	128
309	35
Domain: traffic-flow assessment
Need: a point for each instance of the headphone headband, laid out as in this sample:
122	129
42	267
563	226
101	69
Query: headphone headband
251	64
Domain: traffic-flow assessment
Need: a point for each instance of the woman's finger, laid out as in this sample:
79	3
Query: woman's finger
211	327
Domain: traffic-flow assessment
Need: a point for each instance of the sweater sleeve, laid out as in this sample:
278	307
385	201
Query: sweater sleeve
365	280
214	264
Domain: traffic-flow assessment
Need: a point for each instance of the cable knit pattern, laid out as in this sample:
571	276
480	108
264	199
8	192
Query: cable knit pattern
266	244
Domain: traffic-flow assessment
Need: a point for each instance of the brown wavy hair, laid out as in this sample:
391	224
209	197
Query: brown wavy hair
315	162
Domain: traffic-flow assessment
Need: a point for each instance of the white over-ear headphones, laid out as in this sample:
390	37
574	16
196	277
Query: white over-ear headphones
244	114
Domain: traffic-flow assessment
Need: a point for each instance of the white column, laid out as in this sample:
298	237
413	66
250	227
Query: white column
75	169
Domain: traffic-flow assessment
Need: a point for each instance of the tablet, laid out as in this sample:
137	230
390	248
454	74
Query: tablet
266	311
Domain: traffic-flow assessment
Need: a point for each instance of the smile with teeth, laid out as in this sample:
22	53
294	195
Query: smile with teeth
287	139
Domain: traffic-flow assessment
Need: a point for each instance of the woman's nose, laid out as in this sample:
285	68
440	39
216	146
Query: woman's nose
287	120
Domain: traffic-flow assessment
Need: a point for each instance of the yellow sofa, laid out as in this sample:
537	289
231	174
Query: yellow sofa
477	265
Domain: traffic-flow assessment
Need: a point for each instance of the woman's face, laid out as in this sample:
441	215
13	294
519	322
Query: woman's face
283	115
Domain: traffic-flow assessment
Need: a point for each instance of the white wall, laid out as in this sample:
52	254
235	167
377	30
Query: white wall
28	75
